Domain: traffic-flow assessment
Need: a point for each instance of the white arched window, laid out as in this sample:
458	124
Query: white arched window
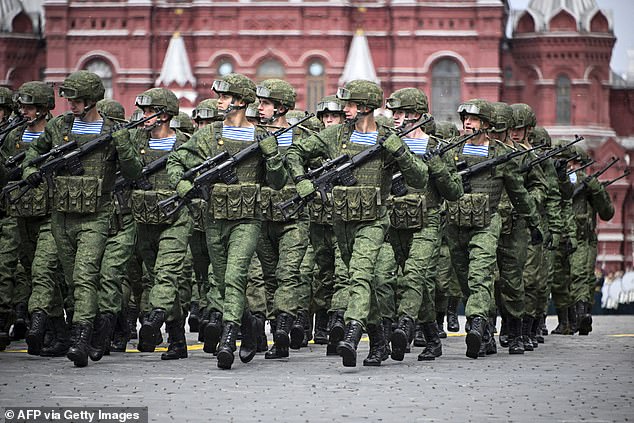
315	83
445	91
270	68
104	71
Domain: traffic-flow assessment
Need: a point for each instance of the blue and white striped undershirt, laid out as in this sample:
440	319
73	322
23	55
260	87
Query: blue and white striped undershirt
164	144
476	150
285	139
417	145
86	128
364	138
573	178
237	133
29	136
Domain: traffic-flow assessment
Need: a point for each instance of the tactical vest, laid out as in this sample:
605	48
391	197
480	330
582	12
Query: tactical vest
474	209
144	204
241	200
89	192
36	201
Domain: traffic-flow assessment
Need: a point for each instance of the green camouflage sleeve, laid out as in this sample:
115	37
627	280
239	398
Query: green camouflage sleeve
300	153
520	198
188	155
535	182
552	202
44	143
600	200
276	173
128	155
413	169
443	174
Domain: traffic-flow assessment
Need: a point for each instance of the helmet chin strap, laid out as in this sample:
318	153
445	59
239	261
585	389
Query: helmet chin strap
86	110
233	107
38	117
269	121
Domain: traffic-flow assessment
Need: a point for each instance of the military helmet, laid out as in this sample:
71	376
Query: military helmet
159	98
567	153
538	136
409	99
82	85
584	157
111	108
523	115
477	107
236	84
384	121
314	124
252	111
6	99
446	130
362	92
277	91
207	110
182	122
502	118
36	93
329	104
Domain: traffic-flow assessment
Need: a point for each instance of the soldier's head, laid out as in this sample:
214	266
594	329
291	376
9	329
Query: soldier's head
206	112
276	97
83	90
475	114
539	136
525	121
183	123
501	121
582	155
361	98
111	109
252	114
382	120
6	103
35	99
235	92
408	105
446	130
157	100
313	123
330	110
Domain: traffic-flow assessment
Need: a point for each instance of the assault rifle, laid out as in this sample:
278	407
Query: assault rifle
65	156
14	171
611	181
340	174
218	168
478	168
584	184
548	154
12	124
399	187
571	171
122	184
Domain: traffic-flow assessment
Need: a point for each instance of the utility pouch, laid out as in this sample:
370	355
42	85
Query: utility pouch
321	212
77	194
356	203
197	208
145	207
233	202
269	197
409	211
470	211
34	203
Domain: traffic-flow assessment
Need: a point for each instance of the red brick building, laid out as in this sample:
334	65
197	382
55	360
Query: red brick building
557	59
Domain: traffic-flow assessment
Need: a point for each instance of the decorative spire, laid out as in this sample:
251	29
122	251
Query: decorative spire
359	63
177	70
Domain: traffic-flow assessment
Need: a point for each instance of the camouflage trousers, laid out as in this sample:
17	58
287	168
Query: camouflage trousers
163	249
360	244
9	243
281	248
231	245
417	253
201	263
81	240
560	287
582	279
447	284
473	254
386	282
257	299
511	258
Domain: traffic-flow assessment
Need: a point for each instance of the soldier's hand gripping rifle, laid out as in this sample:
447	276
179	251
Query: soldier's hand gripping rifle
65	156
584	184
14	171
611	181
222	168
12	124
484	166
548	154
340	174
399	187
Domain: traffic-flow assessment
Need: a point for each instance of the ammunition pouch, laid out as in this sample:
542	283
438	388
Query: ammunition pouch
356	203
197	208
269	197
408	211
35	203
319	211
145	207
583	227
77	194
470	211
233	202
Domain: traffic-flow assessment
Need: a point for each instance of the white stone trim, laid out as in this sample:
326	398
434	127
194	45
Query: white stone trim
446	53
98	33
610	236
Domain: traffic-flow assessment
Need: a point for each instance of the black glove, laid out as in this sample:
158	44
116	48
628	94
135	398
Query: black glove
536	235
430	154
560	166
34	179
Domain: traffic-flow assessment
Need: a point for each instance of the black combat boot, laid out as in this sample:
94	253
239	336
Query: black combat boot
563	326
194	318
419	336
60	343
542	325
532	335
5	339
80	343
488	346
387	335
504	331
283	324
21	324
584	318
133	315
227	345
527	323
440	321
249	343
151	330
102	334
515	340
347	348
475	336
203	318
321	328
337	326
120	335
308	330
400	337
177	347
537	329
572	319
433	348
213	331
297	331
260	330
35	335
453	325
377	345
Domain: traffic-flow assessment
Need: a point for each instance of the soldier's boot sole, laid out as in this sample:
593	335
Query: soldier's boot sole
148	338
20	329
34	343
59	349
399	343
297	337
431	352
585	325
337	333
225	358
276	352
211	338
473	341
78	356
175	351
281	338
348	354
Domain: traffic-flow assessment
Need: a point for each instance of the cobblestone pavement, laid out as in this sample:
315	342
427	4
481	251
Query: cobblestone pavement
567	379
